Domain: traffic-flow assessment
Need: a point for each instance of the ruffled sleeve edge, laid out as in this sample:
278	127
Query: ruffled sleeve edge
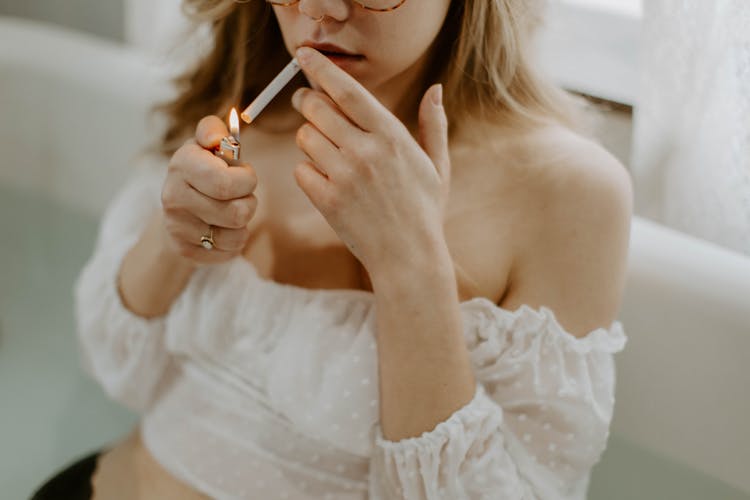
542	321
478	407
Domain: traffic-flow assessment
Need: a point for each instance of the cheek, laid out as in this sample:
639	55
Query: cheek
402	41
396	53
286	19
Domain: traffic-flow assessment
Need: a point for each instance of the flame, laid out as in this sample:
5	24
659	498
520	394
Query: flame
234	124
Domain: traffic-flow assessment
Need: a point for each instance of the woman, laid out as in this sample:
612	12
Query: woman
405	299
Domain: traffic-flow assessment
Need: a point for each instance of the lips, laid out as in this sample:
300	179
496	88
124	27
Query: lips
338	55
330	49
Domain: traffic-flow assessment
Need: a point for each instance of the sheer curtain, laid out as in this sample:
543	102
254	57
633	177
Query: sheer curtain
691	144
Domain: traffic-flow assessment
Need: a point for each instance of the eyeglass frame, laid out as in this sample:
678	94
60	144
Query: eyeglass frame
358	2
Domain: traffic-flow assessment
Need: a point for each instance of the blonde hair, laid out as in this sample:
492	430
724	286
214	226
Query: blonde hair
482	56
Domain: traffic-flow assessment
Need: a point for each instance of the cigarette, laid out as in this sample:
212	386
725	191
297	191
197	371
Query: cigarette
253	110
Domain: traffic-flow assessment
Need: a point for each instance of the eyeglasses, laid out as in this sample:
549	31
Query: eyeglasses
375	5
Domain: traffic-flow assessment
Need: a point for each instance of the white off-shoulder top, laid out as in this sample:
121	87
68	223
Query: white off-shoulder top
249	388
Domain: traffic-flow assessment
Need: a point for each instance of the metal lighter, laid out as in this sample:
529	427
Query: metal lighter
229	147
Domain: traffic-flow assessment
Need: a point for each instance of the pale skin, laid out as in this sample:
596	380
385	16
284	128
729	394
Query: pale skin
537	217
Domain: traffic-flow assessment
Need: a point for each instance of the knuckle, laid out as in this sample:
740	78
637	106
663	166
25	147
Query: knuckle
345	95
303	133
174	163
192	149
350	154
315	105
251	205
181	157
304	136
252	179
240	213
187	144
236	241
185	250
168	196
223	186
363	155
170	227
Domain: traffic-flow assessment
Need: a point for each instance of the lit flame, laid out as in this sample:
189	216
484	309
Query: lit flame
234	124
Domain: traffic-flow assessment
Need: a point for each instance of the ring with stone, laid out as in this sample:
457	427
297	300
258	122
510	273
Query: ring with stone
207	240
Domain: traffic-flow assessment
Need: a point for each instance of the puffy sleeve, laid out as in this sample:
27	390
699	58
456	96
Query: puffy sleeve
124	352
537	424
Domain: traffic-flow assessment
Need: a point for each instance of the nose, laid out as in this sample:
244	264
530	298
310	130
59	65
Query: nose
317	9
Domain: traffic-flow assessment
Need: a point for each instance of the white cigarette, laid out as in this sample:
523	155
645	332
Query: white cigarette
253	110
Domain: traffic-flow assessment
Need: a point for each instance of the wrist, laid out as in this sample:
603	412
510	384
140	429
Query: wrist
428	263
164	250
151	275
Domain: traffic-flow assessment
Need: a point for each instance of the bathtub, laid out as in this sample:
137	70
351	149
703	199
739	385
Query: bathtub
74	117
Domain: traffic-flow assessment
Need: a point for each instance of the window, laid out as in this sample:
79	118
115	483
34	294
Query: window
591	46
632	8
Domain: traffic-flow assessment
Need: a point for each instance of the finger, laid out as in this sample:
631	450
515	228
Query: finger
234	214
188	228
209	174
321	111
315	186
433	131
201	254
210	131
323	153
350	96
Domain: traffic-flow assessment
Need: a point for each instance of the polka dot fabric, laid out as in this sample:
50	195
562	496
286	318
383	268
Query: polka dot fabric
250	388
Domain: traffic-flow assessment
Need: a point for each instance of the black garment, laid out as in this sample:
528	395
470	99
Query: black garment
71	483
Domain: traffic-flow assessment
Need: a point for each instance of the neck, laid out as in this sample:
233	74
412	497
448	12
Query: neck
402	94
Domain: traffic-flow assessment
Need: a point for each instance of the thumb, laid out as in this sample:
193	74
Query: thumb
433	130
210	130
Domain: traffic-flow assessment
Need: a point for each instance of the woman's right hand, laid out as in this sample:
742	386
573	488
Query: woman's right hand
201	189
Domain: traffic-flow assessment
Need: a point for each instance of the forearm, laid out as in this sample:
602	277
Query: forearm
424	366
151	277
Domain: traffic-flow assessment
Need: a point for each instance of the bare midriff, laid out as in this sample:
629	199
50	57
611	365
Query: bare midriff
128	471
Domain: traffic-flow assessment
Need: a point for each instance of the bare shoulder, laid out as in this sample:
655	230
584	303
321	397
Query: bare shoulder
573	180
577	201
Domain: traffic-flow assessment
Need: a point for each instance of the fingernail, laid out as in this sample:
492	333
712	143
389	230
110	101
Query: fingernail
437	95
296	97
303	55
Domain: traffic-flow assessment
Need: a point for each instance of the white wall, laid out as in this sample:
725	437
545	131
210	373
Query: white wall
100	17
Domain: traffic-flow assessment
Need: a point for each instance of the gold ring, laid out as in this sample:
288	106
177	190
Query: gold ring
207	240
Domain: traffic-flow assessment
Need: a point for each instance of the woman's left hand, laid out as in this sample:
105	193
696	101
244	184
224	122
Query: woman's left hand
382	192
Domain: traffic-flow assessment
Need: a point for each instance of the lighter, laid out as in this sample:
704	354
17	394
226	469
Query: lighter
229	147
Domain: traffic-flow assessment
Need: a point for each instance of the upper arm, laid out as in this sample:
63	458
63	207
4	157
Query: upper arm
574	260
